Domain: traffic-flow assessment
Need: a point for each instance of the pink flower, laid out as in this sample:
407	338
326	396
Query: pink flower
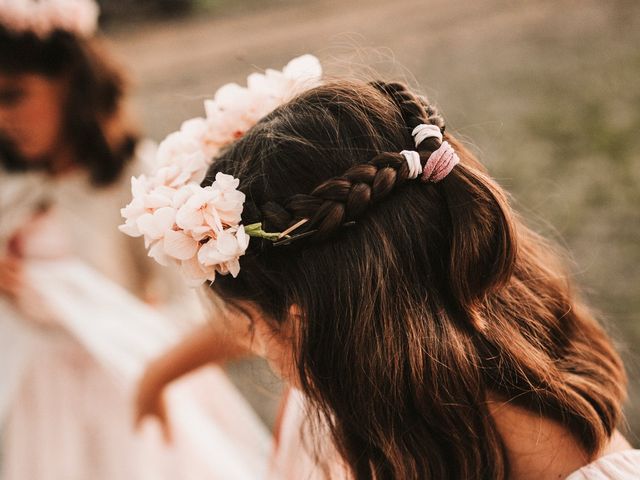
211	208
195	273
229	201
156	251
154	225
198	215
303	68
181	158
146	200
173	247
199	228
224	252
43	17
235	109
196	228
179	245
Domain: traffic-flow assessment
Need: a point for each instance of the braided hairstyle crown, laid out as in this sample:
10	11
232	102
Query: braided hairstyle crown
341	200
426	306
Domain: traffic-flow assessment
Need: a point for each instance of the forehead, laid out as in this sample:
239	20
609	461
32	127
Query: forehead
33	82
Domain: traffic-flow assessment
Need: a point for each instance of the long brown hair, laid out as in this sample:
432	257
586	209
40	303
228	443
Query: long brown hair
95	123
418	301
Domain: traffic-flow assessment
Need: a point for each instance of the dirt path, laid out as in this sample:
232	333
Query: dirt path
177	64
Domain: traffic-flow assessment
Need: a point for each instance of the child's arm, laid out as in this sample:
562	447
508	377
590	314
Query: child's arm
207	344
11	279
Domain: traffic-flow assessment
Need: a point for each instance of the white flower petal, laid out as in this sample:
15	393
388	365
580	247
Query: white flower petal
194	127
243	239
156	224
227	244
233	267
225	182
156	251
179	245
44	17
303	67
181	196
139	185
156	200
195	274
130	228
188	217
209	255
212	218
165	218
133	210
231	97
147	226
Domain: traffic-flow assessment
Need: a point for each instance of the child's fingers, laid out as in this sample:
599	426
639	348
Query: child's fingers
144	408
158	413
159	416
163	418
138	419
166	432
11	279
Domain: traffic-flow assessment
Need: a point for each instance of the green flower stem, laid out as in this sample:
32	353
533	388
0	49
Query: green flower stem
255	230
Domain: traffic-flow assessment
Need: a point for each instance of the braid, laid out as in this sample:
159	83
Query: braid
343	199
415	109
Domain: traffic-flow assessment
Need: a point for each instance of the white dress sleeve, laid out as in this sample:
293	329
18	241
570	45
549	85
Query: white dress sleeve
624	465
20	196
16	343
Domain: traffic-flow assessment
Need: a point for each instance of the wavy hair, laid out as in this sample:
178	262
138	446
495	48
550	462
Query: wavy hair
102	140
418	302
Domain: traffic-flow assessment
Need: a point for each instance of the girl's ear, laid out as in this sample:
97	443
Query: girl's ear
294	311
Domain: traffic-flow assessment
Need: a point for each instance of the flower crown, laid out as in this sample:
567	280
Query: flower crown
43	17
199	228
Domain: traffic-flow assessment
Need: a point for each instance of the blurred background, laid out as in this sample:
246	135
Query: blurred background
546	92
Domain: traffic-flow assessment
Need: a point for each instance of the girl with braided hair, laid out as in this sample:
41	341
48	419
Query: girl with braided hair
426	331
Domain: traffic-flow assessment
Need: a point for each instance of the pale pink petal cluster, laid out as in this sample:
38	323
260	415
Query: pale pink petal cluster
199	228
196	228
43	17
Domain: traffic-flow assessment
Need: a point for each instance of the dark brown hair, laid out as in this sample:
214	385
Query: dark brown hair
418	301
103	142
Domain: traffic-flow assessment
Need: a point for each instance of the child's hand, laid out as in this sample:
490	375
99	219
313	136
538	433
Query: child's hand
150	401
11	279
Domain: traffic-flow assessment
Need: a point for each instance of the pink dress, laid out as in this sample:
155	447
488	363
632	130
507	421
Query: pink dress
72	352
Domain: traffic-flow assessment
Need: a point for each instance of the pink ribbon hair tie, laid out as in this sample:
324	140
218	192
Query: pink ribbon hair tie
440	163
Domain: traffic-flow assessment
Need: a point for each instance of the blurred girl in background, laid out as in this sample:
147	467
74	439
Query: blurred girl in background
426	332
81	307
